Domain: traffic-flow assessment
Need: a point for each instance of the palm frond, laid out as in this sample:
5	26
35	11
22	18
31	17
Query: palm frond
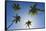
41	10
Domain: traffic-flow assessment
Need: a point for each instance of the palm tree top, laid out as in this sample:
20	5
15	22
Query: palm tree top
16	6
16	19
28	22
34	10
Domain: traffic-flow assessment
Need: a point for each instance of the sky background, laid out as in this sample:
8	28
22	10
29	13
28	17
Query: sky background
37	21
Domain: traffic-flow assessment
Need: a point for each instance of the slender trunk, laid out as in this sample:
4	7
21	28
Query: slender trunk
29	27
10	25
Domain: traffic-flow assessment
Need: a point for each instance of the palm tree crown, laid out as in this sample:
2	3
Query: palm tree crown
28	23
34	10
17	19
16	6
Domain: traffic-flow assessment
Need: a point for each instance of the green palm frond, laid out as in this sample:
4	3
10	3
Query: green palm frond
41	10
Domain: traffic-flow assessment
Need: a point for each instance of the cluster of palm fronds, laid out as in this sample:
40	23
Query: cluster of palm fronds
17	19
16	7
33	11
28	23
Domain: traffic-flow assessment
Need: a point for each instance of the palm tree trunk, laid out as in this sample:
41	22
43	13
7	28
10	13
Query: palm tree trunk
29	27
10	25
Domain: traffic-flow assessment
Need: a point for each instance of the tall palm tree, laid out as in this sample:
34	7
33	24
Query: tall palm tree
34	10
16	20
28	23
16	7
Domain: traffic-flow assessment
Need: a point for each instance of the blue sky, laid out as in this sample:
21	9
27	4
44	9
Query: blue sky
37	20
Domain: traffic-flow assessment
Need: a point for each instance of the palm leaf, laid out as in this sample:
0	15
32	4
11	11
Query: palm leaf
41	10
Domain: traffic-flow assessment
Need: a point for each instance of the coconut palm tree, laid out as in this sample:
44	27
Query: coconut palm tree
17	19
28	23
16	7
34	10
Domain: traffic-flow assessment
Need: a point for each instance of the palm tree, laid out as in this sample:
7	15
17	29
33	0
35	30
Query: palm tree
17	19
28	23
16	7
34	10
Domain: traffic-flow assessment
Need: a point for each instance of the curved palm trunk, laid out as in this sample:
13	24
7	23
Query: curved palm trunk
28	26
10	25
